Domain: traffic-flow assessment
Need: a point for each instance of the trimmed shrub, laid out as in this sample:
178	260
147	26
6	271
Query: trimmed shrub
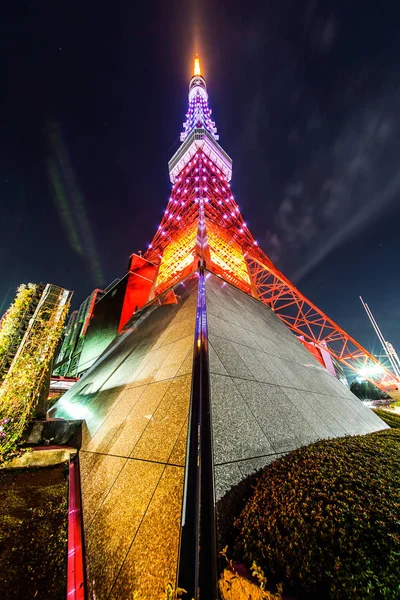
390	418
325	519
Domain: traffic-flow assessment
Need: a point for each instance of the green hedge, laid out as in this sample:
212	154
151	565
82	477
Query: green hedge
325	519
390	418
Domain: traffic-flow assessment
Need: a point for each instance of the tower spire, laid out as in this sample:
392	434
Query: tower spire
198	115
196	70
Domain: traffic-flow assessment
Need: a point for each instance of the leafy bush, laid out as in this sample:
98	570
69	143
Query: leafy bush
21	387
233	585
390	418
11	321
325	519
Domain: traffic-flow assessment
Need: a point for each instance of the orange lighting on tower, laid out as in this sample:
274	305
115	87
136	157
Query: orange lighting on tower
197	70
203	225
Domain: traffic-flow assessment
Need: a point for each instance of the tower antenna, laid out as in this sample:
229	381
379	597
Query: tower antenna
197	69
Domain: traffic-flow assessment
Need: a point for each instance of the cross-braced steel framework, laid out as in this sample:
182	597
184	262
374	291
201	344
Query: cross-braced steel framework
202	221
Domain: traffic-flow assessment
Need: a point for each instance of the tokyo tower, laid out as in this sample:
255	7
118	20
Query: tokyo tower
204	383
203	222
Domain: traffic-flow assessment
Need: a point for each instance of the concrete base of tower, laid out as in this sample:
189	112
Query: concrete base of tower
267	393
135	401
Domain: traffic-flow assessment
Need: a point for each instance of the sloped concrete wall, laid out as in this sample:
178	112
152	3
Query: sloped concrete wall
136	402
268	394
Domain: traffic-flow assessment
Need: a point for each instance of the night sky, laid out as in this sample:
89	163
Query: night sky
306	99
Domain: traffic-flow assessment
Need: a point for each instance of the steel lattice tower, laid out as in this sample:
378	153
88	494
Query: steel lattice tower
202	221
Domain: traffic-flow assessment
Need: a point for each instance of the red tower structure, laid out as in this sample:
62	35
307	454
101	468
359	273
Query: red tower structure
202	222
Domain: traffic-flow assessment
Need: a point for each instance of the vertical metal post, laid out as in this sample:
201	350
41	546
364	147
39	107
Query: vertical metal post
197	564
380	337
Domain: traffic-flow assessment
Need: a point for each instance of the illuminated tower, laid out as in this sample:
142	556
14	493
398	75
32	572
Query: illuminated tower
202	221
202	385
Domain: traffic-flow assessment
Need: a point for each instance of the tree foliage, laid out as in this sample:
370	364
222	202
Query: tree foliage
325	519
365	390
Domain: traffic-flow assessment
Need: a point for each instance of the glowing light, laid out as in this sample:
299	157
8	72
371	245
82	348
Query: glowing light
177	256
371	371
227	257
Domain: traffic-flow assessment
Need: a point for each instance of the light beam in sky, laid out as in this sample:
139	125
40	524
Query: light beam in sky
70	204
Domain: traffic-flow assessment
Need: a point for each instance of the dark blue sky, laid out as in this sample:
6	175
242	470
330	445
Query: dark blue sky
306	99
